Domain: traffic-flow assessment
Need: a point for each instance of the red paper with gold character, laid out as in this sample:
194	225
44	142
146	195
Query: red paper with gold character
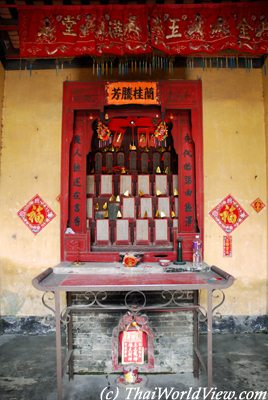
228	214
36	214
257	205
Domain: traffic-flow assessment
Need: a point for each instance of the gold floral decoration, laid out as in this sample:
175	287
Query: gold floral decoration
161	132
103	131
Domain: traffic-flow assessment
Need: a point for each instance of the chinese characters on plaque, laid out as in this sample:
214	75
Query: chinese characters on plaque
132	347
36	214
132	93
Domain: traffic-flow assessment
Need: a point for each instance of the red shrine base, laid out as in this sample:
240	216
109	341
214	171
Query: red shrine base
77	248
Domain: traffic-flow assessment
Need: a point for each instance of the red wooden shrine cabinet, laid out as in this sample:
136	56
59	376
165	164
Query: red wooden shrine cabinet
130	190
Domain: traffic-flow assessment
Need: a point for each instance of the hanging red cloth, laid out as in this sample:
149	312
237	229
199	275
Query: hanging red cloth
174	29
60	31
210	28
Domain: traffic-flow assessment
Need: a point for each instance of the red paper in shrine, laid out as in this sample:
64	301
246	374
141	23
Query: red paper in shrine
132	347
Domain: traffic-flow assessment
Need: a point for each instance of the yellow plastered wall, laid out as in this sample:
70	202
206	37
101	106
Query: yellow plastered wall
2	81
265	92
234	162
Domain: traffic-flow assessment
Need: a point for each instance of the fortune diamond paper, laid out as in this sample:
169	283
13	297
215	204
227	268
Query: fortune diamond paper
36	214
258	205
228	214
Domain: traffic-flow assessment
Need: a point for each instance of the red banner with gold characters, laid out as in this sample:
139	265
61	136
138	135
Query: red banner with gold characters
60	31
210	28
176	29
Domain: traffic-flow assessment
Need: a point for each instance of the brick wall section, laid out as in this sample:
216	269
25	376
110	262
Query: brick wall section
92	340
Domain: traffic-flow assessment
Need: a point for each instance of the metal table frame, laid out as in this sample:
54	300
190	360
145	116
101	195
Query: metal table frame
96	293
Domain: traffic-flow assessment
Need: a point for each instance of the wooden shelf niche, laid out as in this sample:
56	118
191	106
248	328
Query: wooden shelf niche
135	190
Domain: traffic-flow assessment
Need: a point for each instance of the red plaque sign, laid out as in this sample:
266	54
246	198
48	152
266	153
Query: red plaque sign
132	347
144	93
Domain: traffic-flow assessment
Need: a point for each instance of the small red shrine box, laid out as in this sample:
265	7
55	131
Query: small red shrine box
133	343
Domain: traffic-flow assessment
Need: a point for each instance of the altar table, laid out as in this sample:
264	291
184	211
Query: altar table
98	279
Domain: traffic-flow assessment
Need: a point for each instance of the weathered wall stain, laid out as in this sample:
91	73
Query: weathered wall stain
12	301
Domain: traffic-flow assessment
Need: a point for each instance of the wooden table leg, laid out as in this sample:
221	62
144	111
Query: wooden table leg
196	362
209	339
58	345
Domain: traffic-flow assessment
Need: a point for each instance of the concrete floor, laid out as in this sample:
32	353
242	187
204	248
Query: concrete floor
27	372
